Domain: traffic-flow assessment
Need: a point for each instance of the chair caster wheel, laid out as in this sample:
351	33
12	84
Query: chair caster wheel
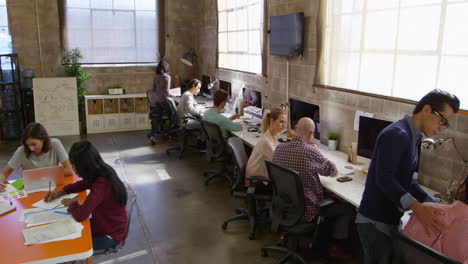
224	226
264	253
251	236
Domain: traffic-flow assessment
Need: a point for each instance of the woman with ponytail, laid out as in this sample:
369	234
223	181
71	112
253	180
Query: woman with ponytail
106	201
273	123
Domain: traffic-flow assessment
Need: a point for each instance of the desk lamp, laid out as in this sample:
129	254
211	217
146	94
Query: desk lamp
454	182
188	58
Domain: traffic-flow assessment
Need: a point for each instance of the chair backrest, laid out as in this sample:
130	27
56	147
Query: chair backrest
412	251
216	146
131	202
240	158
288	203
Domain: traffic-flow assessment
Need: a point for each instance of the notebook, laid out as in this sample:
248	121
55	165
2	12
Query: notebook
38	179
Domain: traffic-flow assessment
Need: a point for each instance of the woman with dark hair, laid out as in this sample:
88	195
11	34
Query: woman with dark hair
106	201
158	99
188	107
38	151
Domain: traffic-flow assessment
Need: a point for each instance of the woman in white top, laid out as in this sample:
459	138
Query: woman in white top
38	151
188	107
273	123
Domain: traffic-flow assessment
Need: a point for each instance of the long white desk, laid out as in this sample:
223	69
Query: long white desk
350	191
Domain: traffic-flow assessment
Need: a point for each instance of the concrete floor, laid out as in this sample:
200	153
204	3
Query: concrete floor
177	219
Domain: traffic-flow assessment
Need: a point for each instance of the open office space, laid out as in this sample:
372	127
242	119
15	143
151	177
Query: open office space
352	67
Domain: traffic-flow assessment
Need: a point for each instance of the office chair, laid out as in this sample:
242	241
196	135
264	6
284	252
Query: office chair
411	251
185	134
168	125
131	201
287	209
216	151
239	190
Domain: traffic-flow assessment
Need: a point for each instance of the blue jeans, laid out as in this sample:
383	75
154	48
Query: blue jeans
103	242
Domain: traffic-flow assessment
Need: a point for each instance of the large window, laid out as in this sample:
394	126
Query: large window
240	35
5	38
400	48
112	31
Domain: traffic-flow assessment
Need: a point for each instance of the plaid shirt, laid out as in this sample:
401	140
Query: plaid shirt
309	163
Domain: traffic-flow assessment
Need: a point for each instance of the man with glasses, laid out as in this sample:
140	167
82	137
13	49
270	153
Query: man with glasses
390	188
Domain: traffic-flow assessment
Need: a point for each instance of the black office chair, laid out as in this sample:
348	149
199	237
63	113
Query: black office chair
169	126
217	152
239	190
131	201
287	210
185	134
411	251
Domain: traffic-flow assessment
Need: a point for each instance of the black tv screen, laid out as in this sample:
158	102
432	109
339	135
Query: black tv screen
369	130
286	35
299	109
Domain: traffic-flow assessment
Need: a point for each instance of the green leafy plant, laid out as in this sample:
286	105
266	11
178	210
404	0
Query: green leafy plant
71	59
333	136
115	86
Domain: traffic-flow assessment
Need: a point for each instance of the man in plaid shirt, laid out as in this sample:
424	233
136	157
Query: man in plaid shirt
300	156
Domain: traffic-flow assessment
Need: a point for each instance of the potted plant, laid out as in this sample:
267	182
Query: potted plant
333	139
115	89
73	68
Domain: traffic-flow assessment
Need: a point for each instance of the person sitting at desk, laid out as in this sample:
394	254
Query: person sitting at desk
299	155
390	188
106	201
273	123
188	107
38	151
451	242
214	114
159	103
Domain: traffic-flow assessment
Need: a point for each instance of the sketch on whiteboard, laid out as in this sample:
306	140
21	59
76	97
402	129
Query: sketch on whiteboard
56	105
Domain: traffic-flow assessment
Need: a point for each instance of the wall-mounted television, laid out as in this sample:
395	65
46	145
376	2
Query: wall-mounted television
369	130
299	109
287	34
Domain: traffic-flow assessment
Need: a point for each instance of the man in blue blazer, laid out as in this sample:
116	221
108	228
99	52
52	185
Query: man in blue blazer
390	188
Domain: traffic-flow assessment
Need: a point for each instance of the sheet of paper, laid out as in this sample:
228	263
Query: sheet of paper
6	207
55	203
12	193
356	118
176	91
78	226
44	233
46	217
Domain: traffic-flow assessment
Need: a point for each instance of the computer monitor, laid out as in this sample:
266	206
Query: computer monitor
226	86
369	130
299	109
251	97
205	80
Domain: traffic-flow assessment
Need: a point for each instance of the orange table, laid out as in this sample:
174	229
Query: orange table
12	240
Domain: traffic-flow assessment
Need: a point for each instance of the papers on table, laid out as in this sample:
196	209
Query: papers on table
176	91
55	203
49	232
46	216
11	192
5	208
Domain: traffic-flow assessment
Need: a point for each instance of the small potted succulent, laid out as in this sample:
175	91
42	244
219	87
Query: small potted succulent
115	89
333	139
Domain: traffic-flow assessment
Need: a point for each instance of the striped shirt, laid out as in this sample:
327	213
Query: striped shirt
307	160
160	91
453	242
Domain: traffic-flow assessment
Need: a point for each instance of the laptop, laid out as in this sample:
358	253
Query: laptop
38	179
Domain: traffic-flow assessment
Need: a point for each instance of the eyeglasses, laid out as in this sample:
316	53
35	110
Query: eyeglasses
443	120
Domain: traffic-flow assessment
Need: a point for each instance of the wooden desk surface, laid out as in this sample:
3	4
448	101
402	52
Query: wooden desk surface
12	240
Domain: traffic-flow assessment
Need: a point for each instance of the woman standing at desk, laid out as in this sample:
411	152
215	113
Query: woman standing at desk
38	151
273	123
106	201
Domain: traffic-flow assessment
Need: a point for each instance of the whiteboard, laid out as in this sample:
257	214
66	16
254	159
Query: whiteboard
56	105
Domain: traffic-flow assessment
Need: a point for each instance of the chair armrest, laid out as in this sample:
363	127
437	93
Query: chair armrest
325	203
258	178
